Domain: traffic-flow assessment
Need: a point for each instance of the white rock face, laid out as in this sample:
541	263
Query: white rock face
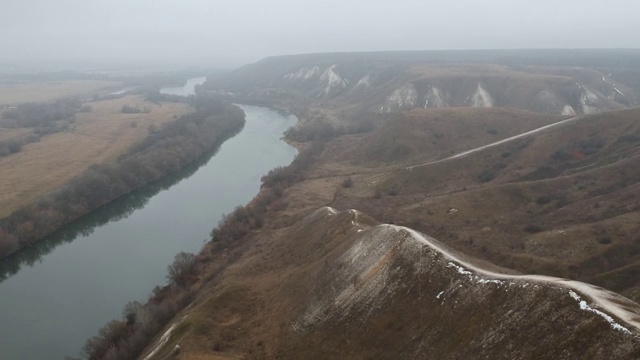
304	74
614	86
403	98
588	100
435	98
329	79
364	83
332	80
568	110
481	98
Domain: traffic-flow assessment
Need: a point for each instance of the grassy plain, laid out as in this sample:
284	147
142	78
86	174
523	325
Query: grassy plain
47	91
96	137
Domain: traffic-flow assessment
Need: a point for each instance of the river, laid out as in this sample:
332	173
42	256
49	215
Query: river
188	88
60	292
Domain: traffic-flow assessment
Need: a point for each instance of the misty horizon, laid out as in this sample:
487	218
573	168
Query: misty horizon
198	33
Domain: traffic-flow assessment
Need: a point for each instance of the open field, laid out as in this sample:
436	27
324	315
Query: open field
9	134
96	137
46	91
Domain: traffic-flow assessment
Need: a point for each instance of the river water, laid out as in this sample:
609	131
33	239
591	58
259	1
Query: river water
58	293
187	89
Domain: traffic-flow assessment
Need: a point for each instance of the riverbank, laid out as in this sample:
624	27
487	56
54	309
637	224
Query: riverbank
164	151
55	301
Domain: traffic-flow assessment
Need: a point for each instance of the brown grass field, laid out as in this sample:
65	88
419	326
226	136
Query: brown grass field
96	137
48	91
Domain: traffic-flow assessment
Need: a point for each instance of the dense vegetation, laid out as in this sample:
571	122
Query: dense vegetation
165	151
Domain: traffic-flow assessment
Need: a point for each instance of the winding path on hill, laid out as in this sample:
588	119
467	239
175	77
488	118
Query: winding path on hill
519	136
603	302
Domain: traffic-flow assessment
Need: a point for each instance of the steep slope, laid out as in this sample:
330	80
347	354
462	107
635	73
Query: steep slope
555	82
390	292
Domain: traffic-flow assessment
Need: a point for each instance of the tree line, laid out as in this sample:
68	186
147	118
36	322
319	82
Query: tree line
165	151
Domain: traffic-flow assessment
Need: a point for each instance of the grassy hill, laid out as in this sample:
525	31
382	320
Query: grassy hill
559	202
549	81
393	136
388	295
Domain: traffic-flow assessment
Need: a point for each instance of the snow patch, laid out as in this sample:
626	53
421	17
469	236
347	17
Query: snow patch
609	319
460	269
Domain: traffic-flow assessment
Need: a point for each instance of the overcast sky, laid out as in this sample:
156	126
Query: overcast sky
234	32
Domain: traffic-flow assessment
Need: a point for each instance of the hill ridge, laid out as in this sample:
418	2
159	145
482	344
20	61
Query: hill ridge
611	303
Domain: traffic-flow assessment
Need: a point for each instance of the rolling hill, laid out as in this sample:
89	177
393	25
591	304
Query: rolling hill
564	82
522	164
342	285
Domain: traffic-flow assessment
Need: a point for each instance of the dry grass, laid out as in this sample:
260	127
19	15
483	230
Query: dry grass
47	91
96	137
8	134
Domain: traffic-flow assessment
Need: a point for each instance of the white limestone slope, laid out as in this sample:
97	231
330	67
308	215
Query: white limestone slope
328	80
304	74
568	110
435	98
402	98
332	80
362	278
481	98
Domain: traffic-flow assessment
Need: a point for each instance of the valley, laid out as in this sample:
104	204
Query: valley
534	212
442	204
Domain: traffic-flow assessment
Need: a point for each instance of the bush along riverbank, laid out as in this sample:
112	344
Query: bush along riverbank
126	338
164	151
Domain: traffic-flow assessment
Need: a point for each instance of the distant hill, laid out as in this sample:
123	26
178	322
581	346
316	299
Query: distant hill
551	81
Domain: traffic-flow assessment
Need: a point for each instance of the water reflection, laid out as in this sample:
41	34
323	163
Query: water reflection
85	226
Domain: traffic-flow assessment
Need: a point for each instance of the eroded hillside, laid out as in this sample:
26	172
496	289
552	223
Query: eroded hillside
516	164
342	285
573	83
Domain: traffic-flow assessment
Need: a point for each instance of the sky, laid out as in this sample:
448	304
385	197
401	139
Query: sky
236	32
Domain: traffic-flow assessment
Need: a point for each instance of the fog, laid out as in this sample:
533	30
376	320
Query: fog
232	33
